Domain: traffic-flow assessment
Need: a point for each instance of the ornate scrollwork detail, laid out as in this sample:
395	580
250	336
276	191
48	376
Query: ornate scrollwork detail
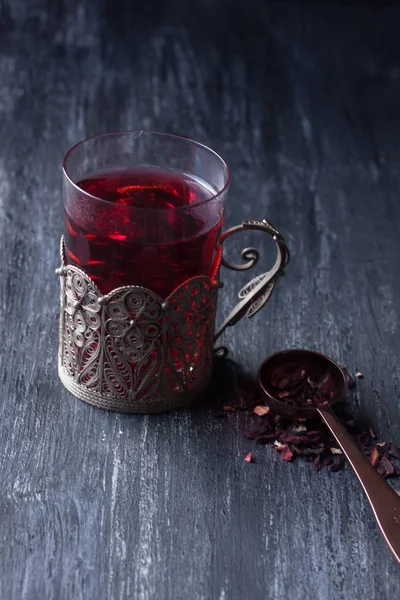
251	255
257	292
131	350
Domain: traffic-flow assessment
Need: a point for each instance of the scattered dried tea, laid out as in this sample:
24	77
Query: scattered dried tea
310	439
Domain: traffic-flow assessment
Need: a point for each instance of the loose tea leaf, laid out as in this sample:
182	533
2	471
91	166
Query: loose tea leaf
386	468
374	457
279	446
249	457
261	410
287	454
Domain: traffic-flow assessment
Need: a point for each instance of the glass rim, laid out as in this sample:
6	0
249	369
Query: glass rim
139	132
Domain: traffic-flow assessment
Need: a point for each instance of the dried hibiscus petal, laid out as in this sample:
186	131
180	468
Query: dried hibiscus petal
249	458
287	454
374	457
279	446
386	467
336	451
261	411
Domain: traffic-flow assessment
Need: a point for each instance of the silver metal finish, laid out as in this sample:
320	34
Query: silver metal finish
132	351
258	291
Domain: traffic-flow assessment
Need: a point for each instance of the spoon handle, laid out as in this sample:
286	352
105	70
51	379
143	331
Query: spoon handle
384	501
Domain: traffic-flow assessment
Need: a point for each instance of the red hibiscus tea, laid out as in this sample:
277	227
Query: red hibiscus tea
143	225
143	213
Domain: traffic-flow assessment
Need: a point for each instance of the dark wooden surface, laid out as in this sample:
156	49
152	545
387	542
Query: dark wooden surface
303	101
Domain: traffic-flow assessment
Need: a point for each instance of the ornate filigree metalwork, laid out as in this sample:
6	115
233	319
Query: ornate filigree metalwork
258	291
132	351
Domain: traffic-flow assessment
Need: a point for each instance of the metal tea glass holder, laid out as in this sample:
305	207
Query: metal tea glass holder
132	351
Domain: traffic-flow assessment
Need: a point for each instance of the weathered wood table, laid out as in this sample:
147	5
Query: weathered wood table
303	101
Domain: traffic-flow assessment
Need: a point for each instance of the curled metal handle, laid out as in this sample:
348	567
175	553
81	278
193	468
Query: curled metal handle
257	292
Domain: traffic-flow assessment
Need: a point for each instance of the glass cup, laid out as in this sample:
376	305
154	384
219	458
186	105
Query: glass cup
140	267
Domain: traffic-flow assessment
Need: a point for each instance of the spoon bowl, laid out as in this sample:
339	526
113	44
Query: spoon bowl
319	367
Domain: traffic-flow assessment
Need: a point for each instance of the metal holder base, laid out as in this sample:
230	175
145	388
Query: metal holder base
157	404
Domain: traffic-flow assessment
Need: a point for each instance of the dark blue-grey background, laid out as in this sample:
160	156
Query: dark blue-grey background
303	101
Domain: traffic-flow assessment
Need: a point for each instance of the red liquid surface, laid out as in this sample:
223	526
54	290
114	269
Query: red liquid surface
157	249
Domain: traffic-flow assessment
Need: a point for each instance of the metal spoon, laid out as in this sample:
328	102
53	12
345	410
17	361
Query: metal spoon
384	501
